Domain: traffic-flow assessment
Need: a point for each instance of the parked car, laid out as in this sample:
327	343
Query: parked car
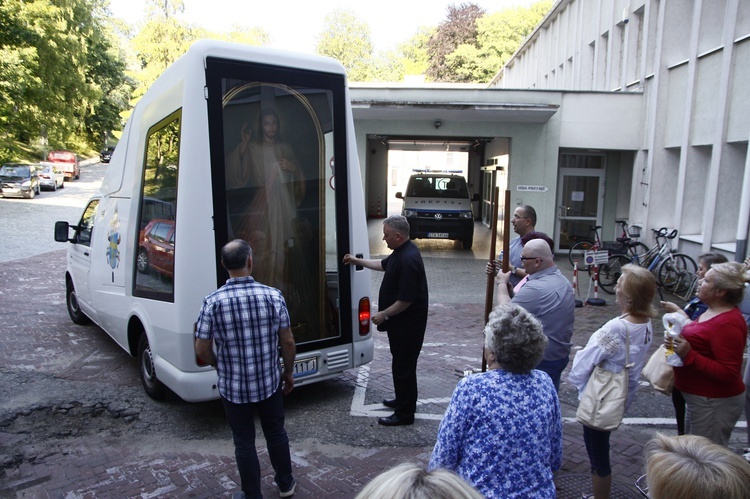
106	154
19	180
156	247
50	177
67	162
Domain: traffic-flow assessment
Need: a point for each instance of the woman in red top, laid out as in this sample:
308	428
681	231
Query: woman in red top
711	349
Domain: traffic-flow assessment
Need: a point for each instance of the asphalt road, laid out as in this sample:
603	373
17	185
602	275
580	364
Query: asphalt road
27	225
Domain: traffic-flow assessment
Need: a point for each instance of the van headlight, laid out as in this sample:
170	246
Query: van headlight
410	213
466	214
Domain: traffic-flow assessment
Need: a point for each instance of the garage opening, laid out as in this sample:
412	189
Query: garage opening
409	157
392	160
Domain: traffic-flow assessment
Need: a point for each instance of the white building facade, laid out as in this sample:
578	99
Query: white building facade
687	62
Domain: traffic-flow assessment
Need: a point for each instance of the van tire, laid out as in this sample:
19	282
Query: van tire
468	243
142	261
74	311
151	385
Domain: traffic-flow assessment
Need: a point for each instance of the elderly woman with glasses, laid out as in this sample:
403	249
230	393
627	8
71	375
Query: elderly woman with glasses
502	431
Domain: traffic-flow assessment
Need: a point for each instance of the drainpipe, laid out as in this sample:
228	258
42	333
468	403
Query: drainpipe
743	222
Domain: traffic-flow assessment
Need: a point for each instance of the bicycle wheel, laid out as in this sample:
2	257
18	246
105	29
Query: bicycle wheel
577	252
610	272
675	273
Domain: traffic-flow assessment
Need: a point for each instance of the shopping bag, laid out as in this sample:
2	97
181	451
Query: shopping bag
658	372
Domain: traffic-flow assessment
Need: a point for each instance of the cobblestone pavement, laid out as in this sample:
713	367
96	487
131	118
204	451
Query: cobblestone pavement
75	423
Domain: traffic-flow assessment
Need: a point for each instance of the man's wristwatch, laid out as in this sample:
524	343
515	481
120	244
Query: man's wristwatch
385	316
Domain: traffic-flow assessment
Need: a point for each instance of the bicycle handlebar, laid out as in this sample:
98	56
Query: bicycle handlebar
672	234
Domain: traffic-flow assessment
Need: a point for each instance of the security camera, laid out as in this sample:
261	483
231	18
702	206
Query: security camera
438	124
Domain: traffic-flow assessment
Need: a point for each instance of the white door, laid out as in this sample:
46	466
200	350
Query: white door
580	204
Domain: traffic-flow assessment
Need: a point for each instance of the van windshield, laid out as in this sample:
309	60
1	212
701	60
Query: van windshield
431	186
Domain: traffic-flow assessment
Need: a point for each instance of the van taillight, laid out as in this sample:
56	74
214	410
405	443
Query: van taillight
200	362
364	316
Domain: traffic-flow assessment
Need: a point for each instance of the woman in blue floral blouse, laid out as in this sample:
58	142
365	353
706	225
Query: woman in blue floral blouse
502	431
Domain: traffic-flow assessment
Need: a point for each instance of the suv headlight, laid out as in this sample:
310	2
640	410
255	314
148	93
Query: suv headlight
466	214
410	213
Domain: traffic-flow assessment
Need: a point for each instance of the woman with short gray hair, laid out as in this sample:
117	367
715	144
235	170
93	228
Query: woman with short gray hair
510	411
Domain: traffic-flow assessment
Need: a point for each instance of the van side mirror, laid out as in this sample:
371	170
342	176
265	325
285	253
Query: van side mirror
61	232
475	197
400	195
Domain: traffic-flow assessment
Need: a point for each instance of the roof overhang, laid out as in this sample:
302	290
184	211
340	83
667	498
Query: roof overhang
454	111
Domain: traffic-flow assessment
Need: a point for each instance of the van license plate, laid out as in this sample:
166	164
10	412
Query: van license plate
304	367
442	235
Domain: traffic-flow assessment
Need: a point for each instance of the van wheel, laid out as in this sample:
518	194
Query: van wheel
468	243
152	386
74	311
142	262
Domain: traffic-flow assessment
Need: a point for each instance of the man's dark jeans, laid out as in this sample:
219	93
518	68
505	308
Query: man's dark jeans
242	421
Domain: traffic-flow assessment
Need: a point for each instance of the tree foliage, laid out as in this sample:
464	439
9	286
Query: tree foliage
346	38
165	37
414	55
495	39
60	73
459	28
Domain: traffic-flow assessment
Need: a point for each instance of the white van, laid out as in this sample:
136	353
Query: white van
232	141
438	206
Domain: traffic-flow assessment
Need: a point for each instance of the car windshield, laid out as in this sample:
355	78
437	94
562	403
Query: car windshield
15	171
438	187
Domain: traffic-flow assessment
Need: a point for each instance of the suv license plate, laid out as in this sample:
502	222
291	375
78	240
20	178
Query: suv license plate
437	234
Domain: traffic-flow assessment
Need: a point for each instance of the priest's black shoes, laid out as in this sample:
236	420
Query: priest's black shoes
394	420
390	403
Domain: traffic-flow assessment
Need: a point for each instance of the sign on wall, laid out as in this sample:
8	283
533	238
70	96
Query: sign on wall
532	188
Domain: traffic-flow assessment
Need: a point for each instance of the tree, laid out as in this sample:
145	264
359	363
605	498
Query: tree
500	35
347	39
249	35
414	57
386	66
160	42
459	28
55	61
483	52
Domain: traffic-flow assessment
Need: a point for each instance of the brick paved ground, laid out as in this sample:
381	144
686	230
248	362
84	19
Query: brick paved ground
114	442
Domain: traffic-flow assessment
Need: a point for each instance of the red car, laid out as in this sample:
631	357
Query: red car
156	247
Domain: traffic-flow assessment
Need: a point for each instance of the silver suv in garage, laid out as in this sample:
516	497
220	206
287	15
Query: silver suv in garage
438	206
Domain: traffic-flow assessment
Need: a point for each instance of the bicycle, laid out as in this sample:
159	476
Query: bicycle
690	288
674	271
611	271
623	245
